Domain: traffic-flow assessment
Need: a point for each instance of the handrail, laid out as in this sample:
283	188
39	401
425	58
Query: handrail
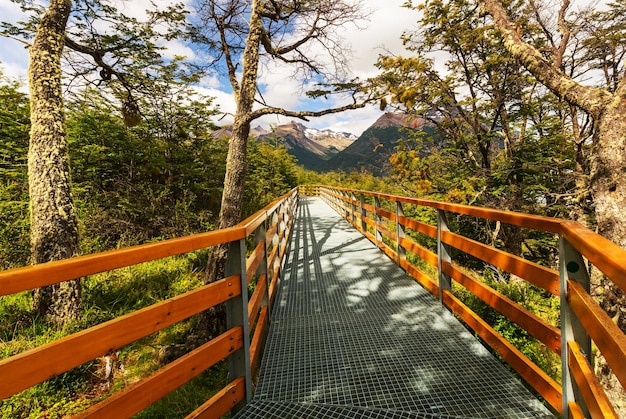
30	277
241	344
582	319
268	231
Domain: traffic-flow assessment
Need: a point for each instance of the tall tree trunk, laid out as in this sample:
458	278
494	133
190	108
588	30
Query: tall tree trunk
608	190
608	165
54	226
212	321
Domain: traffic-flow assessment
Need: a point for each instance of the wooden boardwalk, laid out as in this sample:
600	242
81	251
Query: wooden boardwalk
352	336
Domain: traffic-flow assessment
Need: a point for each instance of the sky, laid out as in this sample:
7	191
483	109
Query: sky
382	33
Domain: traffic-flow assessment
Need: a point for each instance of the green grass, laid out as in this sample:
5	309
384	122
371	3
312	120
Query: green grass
106	296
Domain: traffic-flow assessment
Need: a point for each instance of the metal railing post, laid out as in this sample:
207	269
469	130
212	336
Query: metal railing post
443	254
378	220
572	267
363	214
237	315
353	207
399	233
261	235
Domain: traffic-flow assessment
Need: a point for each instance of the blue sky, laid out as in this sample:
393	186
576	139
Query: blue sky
386	24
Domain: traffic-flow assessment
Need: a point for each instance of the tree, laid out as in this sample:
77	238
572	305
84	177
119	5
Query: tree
14	128
132	51
605	105
54	226
271	173
159	179
286	32
484	119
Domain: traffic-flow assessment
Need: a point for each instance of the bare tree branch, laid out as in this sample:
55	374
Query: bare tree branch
591	99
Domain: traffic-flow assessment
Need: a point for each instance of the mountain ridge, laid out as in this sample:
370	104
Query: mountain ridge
327	150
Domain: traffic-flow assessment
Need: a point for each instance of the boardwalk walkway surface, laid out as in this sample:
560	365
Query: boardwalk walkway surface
352	336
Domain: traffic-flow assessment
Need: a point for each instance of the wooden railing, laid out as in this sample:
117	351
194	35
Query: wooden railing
241	343
381	218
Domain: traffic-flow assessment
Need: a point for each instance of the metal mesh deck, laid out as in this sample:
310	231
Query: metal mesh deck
352	336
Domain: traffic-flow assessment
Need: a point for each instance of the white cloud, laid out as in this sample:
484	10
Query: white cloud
383	32
177	48
278	87
387	23
381	35
13	54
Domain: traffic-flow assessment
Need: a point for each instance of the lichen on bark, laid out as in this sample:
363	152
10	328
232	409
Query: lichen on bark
608	164
54	226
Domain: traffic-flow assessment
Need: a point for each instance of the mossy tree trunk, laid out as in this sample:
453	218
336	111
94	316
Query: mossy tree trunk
54	226
311	22
608	162
212	321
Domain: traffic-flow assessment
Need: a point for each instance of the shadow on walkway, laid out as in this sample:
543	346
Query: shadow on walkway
352	336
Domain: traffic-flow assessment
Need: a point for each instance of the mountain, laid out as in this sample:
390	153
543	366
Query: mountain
227	132
372	150
312	147
327	150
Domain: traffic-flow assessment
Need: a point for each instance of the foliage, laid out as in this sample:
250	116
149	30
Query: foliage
532	298
108	47
108	295
14	214
158	179
499	140
271	173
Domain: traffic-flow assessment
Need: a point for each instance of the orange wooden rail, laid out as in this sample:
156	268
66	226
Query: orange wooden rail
583	322
269	230
241	344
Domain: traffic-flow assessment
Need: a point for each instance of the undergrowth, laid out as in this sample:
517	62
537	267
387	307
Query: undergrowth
107	296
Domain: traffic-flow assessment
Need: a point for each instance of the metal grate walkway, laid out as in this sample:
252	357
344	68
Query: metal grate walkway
352	336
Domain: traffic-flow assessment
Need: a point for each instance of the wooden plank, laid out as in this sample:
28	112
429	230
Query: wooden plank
273	285
418	226
385	231
251	223
541	276
257	340
254	261
420	251
426	281
575	412
539	380
592	392
387	214
388	251
369	222
537	222
34	366
271	232
140	395
29	277
254	305
603	253
221	403
547	334
272	257
609	339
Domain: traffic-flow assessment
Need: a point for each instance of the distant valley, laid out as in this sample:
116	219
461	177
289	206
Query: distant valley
327	150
